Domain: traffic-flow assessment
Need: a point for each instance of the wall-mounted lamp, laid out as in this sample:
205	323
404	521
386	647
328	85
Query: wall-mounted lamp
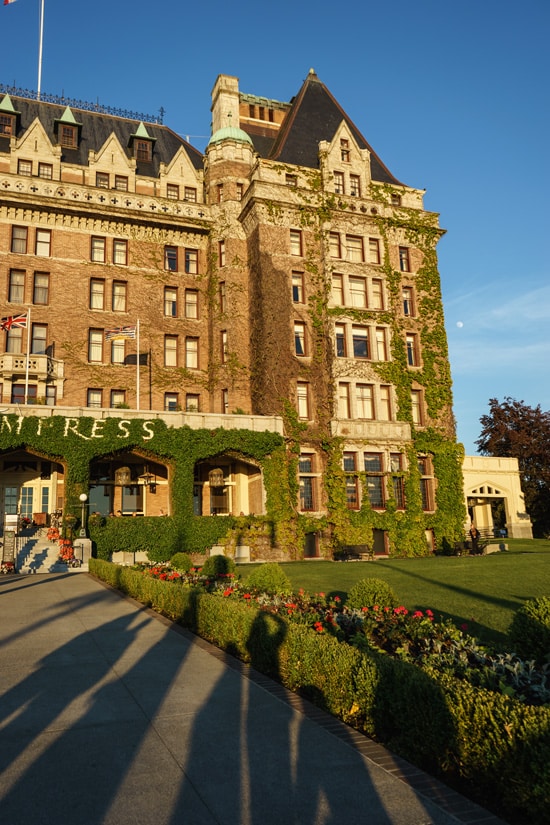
149	479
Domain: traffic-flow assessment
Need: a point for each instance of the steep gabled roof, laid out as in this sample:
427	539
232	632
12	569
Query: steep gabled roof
315	116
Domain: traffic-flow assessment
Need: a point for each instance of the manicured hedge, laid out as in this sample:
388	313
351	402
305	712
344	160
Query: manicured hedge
492	745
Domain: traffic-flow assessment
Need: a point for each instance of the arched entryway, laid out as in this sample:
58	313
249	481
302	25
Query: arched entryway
129	484
228	484
31	486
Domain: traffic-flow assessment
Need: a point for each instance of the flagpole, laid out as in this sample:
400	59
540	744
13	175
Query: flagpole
137	367
40	38
28	355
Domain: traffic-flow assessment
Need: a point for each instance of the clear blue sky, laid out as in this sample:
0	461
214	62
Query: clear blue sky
453	96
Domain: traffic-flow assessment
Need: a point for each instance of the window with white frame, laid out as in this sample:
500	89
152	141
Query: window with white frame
374	479
354	249
41	288
358	292
43	244
384	403
299	338
374	251
343	400
16	287
302	400
190	194
172	191
97	250
170	350
381	344
24	167
171	401
192	353
45	170
337	291
295	242
191	303
191	261
95	346
97	293
120	252
364	401
223	346
19	237
377	294
119	296
121	183
334	245
170	301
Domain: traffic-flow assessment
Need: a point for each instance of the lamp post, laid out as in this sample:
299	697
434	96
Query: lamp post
83	499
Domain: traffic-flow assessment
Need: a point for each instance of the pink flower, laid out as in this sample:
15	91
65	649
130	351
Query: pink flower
417	614
337	599
365	609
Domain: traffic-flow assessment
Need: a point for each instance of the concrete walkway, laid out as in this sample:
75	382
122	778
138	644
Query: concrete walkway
111	715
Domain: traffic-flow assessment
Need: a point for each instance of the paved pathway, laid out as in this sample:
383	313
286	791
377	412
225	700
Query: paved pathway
108	717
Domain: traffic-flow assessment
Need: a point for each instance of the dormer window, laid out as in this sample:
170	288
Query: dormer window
344	150
68	136
7	124
144	150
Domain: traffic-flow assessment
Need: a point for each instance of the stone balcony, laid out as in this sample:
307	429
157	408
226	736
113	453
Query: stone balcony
41	367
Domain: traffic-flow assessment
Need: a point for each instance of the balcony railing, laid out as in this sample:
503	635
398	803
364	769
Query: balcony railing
41	367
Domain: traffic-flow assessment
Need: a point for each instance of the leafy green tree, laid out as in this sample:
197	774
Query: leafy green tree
512	429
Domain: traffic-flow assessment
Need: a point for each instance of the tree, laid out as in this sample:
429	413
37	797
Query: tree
512	429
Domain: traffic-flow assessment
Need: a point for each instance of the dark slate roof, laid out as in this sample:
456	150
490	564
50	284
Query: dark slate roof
315	116
96	129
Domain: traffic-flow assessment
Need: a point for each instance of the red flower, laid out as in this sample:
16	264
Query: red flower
318	627
337	599
247	596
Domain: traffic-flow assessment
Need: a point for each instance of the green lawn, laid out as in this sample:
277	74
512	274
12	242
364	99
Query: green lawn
482	592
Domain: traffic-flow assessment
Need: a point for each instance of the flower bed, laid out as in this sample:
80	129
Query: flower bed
492	746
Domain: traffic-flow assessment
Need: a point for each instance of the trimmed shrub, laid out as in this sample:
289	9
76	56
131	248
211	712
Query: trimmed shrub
530	630
270	578
368	592
218	566
181	562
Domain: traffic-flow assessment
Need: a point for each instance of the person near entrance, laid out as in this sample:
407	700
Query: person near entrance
474	537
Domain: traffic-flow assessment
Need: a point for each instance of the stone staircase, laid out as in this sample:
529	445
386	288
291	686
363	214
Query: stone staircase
38	555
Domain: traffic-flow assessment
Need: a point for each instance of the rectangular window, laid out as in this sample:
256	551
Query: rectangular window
191	303
358	292
172	191
120	252
377	294
417	407
299	338
398	484
343	401
118	351
102	180
19	236
302	399
41	288
190	194
170	350
291	180
222	297
192	353
171	401
68	136
121	183
221	253
364	401
340	336
339	183
408	301
223	345
334	247
344	150
95	345
119	296
412	349
374	251
219	192
97	293
375	479
295	242
360	338
170	301
384	406
118	398
352	481
381	344
6	124
225	401
39	335
298	287
14	340
337	291
16	289
354	249
426	482
45	170
43	242
306	482
240	191
97	250
192	402
191	261
24	167
355	186
94	398
143	150
404	260
171	258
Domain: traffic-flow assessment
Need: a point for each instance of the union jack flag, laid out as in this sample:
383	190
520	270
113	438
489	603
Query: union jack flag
120	332
13	321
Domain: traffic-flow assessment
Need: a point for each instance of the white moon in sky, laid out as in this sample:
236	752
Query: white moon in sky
459	324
